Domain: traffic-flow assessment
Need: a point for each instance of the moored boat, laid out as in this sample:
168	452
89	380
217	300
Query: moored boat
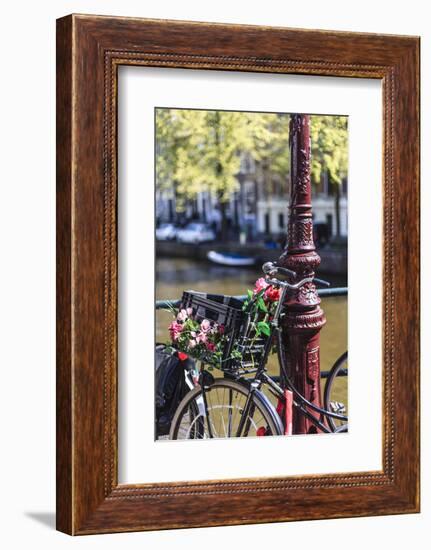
230	259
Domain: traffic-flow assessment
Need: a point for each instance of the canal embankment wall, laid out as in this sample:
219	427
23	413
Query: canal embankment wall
333	260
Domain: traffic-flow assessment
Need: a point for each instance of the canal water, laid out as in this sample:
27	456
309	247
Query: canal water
178	274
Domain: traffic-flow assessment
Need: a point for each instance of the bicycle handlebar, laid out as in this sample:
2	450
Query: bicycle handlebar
271	269
292	286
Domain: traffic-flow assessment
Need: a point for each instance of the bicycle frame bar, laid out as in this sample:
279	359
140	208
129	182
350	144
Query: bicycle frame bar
302	403
298	394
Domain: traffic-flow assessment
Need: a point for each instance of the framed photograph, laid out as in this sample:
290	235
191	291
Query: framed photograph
237	274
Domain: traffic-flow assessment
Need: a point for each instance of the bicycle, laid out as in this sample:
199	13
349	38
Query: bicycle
236	405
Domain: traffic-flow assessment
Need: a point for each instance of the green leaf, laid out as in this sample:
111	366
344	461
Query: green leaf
261	305
249	293
263	328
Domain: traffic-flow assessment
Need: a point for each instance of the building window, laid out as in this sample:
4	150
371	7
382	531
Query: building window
344	186
204	209
281	221
325	182
329	224
267	222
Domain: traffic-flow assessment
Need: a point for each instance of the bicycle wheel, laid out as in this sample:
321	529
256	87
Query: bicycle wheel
226	400
335	393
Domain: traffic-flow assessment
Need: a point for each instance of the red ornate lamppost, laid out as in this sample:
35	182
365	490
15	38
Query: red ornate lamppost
304	318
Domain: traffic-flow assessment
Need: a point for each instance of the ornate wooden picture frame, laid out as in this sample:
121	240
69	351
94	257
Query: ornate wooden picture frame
89	51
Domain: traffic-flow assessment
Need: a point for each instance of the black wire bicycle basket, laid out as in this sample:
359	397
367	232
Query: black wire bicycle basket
242	350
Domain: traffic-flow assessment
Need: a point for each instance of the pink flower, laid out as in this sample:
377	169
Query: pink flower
192	343
205	325
259	285
182	315
272	294
201	338
175	330
211	346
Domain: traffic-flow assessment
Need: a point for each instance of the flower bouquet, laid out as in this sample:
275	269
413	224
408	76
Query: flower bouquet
201	339
261	303
207	340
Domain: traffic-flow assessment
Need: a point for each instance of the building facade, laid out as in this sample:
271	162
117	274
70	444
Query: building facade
259	207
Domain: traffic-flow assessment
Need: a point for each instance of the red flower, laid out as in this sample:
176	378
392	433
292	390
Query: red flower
182	356
272	294
211	346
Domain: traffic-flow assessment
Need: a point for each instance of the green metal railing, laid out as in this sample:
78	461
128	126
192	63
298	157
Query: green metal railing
324	292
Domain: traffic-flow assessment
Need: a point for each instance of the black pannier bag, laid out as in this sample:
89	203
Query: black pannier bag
170	386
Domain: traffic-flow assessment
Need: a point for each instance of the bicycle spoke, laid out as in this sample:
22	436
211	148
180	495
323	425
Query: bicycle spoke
230	412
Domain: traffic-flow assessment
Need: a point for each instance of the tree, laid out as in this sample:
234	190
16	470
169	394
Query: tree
329	151
175	131
201	151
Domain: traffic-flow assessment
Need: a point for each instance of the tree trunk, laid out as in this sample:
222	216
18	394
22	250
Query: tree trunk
176	202
219	170
223	224
337	210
